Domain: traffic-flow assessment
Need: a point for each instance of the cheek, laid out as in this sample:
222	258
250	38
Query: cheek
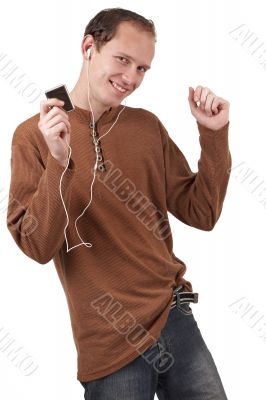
139	81
108	70
101	72
115	69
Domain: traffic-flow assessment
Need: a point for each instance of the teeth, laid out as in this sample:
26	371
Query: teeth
118	87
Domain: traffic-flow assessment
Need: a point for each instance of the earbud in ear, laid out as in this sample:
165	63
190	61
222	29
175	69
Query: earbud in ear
88	53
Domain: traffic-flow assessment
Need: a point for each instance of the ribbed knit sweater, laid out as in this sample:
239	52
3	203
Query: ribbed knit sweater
119	291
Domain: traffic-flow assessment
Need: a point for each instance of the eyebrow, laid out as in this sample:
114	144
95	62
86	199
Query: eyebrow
130	58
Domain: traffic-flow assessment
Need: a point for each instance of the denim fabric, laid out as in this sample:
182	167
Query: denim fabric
179	366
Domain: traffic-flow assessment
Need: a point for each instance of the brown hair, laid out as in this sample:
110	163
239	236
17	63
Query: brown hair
104	25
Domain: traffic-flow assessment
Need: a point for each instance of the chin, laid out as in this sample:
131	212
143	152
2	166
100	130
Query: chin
115	103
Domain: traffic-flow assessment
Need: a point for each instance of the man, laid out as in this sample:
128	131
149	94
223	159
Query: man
134	330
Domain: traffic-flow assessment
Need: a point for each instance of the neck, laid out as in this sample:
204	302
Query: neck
79	96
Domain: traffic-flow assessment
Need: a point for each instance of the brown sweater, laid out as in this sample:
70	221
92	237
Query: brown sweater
121	287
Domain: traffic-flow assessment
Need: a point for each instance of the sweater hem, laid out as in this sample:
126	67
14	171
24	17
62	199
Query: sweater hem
115	367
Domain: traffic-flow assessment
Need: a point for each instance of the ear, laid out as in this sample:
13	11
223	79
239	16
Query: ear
86	44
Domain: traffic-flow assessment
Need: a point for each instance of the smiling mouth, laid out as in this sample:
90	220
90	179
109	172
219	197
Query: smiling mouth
118	87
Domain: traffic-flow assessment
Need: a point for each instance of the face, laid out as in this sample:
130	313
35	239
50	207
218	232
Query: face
120	66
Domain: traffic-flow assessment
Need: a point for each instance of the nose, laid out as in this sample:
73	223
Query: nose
129	77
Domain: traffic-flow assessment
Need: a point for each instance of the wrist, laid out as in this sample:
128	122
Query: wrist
63	163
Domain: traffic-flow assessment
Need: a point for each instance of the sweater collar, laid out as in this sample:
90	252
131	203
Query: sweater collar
84	115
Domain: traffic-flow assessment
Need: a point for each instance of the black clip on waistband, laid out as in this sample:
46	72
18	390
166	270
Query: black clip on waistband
185	297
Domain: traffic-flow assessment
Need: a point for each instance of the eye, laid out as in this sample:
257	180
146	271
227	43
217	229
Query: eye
142	69
122	59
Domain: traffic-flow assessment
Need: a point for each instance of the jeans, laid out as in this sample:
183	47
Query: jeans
179	366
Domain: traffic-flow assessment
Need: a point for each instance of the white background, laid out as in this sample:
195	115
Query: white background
195	47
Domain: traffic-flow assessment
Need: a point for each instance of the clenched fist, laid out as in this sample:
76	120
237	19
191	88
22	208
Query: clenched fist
212	111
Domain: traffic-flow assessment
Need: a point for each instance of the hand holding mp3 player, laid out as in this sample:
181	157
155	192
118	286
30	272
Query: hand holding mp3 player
54	122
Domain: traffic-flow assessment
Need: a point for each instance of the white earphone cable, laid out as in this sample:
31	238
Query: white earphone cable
94	174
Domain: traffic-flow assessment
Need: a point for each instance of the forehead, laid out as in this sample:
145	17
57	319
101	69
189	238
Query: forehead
131	39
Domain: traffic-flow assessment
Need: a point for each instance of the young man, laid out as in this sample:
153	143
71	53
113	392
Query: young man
134	330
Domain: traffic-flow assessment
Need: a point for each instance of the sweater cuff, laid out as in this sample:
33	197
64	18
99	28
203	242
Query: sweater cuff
54	171
211	132
53	164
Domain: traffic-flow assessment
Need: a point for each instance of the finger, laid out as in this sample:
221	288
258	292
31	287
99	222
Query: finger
45	104
192	103
52	112
204	93
215	105
197	93
60	129
222	104
55	120
208	104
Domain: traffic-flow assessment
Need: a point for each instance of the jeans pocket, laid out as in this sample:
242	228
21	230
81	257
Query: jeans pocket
184	308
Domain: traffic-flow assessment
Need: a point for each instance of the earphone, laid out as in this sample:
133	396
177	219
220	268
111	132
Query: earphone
88	53
94	168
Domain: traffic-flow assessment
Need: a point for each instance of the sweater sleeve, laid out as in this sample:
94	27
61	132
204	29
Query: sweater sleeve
35	215
196	198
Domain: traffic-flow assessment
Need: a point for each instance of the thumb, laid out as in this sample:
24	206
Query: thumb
192	103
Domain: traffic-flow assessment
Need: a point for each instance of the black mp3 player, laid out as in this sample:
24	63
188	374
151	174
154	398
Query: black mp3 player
60	92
